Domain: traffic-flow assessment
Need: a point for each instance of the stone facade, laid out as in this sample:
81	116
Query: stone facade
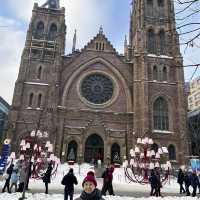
49	94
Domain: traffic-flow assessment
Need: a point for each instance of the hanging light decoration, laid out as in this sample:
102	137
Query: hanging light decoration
143	159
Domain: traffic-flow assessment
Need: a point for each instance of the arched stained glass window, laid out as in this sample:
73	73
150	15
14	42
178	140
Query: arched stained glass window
151	42
39	33
52	32
160	114
172	152
97	88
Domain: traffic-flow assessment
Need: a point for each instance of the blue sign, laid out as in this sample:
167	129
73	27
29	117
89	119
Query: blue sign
195	164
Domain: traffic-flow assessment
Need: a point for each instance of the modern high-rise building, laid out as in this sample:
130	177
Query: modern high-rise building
194	95
95	101
4	109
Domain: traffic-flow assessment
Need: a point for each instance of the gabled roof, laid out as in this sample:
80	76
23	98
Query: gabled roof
100	43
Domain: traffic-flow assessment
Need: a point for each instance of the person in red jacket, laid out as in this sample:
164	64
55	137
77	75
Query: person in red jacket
107	181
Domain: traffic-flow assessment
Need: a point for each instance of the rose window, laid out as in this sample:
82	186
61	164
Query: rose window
97	88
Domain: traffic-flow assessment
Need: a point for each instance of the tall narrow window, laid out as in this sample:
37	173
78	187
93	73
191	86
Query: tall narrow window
149	8
160	3
97	46
30	102
39	73
164	74
103	46
162	42
155	73
52	32
39	33
151	42
172	152
39	101
160	114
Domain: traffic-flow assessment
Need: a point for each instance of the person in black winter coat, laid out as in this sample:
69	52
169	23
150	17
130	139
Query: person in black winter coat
194	182
159	184
154	183
68	181
180	180
47	177
7	183
187	183
90	192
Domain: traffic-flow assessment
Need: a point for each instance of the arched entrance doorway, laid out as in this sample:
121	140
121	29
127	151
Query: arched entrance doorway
94	149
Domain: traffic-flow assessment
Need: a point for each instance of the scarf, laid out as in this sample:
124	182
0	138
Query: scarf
95	195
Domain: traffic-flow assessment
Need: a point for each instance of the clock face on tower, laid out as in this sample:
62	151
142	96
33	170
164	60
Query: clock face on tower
97	88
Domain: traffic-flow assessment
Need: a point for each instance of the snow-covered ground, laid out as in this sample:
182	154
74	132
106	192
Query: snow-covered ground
121	186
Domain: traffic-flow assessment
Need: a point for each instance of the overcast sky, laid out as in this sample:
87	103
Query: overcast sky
84	15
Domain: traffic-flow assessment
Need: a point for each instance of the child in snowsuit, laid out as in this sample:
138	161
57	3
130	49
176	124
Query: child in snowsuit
90	192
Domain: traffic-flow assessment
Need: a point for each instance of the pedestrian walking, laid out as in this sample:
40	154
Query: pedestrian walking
68	181
154	183
199	183
159	184
14	179
22	178
180	180
187	183
8	176
194	182
47	177
107	181
29	174
90	192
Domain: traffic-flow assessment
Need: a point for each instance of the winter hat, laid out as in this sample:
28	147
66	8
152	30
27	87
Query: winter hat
90	173
90	178
71	170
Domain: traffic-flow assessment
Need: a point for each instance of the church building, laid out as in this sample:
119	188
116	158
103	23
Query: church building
94	101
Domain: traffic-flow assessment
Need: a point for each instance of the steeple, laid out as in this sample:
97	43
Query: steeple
74	42
125	47
101	30
152	27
